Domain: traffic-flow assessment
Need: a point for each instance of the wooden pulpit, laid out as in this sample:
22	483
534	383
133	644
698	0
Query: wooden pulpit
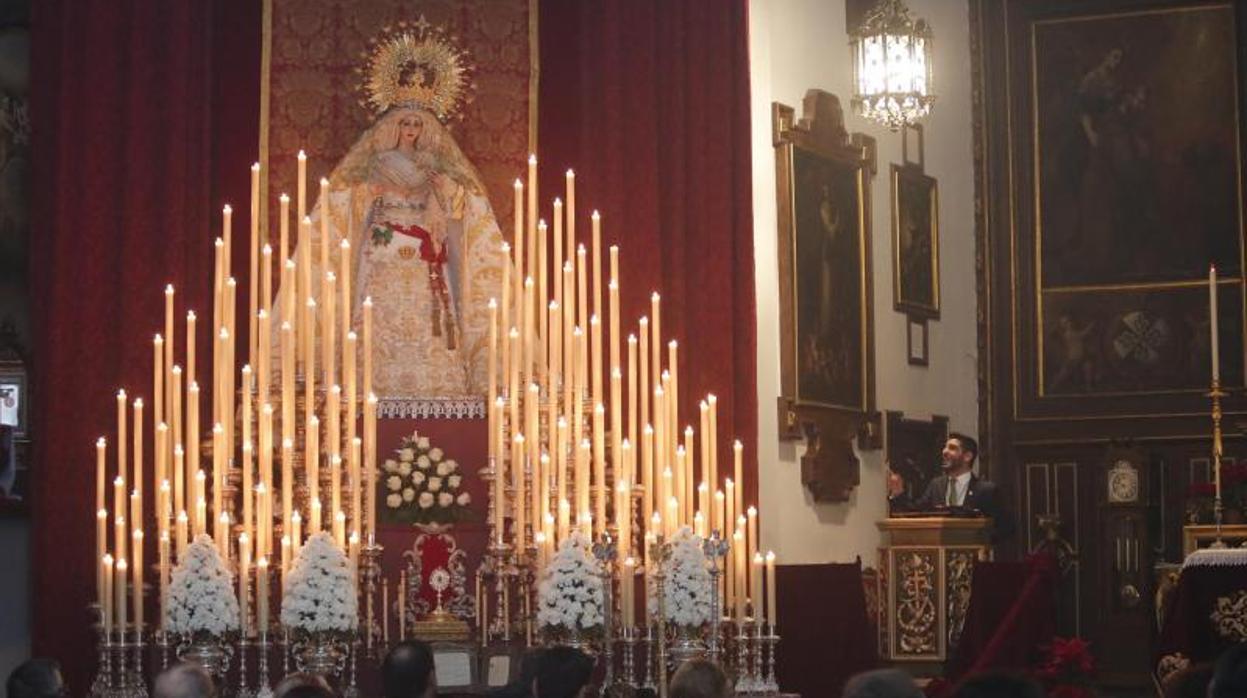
925	568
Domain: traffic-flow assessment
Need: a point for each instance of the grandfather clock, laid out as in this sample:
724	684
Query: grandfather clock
1124	564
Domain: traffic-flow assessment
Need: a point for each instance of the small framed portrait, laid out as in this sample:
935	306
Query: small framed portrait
14	401
916	334
915	242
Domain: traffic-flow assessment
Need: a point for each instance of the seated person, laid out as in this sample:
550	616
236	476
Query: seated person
303	686
36	678
563	672
699	678
185	680
957	487
407	671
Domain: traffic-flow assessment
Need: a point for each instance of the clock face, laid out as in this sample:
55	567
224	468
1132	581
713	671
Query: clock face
1123	483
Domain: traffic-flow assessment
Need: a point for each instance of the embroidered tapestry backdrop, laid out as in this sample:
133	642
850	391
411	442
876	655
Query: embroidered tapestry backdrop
317	47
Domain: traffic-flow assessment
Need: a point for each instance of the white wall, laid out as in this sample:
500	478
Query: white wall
796	45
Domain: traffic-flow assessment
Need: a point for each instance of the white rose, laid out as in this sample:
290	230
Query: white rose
394	500
404	469
435	484
394	482
406	455
422	462
423	443
463	499
442	469
453	481
417	478
426	500
444	499
408	494
436	454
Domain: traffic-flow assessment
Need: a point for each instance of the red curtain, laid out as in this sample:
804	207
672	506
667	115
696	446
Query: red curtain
143	126
648	100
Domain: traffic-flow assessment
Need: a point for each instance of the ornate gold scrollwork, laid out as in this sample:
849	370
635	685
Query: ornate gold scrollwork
958	570
916	603
1229	616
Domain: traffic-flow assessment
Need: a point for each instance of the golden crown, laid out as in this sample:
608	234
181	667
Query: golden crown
416	64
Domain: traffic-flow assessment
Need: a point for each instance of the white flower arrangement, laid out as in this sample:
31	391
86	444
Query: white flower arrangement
421	485
688	583
569	596
201	593
320	593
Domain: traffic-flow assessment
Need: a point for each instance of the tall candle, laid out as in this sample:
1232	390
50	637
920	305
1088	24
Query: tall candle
182	533
158	385
1212	318
261	594
119	516
582	289
137	406
370	461
253	250
101	446
738	591
644	392
137	586
518	243
244	580
531	218
626	583
168	346
647	470
119	590
122	434
770	588
599	469
367	339
312	469
106	605
655	324
570	190
301	183
596	229
738	451
632	392
755	587
751	539
101	548
287	483
712	404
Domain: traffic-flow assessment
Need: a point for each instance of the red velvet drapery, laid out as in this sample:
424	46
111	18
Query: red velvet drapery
144	120
649	101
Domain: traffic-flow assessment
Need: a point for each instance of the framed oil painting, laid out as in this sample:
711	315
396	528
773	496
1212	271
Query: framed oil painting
1136	147
915	242
824	282
826	312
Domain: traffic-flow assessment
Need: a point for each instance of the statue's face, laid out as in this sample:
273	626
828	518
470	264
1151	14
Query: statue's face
409	129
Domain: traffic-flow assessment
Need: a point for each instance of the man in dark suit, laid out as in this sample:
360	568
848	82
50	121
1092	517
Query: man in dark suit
956	488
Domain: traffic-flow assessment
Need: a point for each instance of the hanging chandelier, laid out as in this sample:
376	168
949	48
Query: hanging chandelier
891	66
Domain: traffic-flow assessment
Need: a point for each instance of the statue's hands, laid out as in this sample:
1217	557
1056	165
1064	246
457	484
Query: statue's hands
896	484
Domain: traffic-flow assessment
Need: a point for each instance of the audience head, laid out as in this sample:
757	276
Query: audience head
407	671
1191	682
185	680
1229	674
303	685
36	678
881	683
994	684
699	678
562	672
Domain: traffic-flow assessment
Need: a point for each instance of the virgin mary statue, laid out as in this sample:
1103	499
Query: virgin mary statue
424	246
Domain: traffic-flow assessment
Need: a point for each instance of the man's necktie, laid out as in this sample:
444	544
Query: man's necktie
950	498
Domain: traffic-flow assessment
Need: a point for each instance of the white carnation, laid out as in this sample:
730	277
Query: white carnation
404	469
394	483
569	594
391	466
417	478
463	499
201	593
394	501
426	500
436	454
422	443
406	455
452	465
435	484
408	494
688	585
445	499
320	593
423	462
453	481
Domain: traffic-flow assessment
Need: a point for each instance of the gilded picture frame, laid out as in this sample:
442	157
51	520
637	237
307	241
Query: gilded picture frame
825	290
915	242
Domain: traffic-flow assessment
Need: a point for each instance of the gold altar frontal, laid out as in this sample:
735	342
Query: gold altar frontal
925	568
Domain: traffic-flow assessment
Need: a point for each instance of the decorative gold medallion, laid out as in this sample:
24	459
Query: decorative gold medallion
416	65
